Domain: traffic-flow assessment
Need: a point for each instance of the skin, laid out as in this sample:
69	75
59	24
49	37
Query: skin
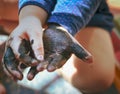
2	89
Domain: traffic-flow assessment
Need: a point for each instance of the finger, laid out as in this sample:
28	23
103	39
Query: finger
11	64
26	53
32	73
56	62
81	53
37	45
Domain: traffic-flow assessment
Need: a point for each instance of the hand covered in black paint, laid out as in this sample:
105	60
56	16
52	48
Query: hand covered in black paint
58	47
13	66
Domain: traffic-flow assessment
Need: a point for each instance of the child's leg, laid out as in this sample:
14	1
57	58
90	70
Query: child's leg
2	89
99	75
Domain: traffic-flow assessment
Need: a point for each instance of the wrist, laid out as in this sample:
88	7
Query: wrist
57	26
34	12
30	22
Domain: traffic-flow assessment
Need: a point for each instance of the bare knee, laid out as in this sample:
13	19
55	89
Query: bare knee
93	81
96	87
89	78
99	75
2	89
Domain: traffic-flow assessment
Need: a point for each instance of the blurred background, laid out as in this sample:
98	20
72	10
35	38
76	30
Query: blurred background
49	83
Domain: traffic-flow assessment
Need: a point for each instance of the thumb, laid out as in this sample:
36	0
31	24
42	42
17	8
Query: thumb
37	45
81	52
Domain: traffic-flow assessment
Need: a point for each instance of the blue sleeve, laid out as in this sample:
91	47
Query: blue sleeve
47	5
73	14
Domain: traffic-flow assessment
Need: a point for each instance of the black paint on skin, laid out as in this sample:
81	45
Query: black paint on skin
26	53
10	64
59	46
59	41
10	57
56	44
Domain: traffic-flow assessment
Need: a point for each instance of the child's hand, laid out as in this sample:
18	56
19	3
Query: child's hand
18	52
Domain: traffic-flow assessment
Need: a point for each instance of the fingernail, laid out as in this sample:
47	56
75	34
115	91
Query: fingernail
51	68
89	59
34	62
40	67
40	57
30	76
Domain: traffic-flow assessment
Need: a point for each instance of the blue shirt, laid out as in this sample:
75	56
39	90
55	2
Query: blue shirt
75	14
